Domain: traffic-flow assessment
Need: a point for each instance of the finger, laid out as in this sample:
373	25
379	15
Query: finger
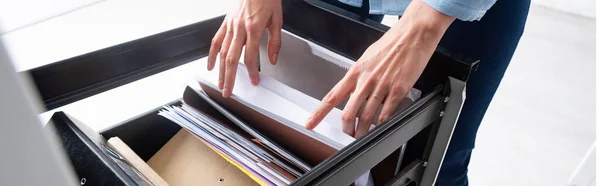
215	46
389	108
352	107
340	91
223	53
391	103
251	53
274	42
221	72
356	101
232	60
365	118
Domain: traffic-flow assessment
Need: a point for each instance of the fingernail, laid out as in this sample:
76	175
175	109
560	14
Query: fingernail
274	58
226	93
356	135
308	124
254	82
381	120
349	132
220	84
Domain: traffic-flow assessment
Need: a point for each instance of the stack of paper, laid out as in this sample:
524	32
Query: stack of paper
263	166
286	105
279	112
275	147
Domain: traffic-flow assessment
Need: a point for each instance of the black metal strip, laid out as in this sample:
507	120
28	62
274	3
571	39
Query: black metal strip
79	77
411	174
350	35
364	153
85	152
340	20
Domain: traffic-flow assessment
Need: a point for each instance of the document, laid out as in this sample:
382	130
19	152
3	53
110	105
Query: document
260	138
242	153
275	106
285	104
270	142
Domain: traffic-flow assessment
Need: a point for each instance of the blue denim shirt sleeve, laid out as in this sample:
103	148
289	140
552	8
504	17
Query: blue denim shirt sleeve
465	10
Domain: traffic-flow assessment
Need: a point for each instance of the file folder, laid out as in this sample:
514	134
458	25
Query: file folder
270	116
60	84
185	160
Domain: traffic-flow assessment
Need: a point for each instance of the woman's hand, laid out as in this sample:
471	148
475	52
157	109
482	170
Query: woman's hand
386	71
244	26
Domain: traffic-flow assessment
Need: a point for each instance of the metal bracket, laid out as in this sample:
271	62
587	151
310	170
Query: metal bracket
411	174
442	139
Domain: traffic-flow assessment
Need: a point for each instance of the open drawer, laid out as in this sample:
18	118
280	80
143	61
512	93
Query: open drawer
406	149
419	127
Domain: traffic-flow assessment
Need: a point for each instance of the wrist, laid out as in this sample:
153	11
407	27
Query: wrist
421	18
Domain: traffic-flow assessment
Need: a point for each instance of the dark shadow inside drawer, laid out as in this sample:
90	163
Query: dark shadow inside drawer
145	134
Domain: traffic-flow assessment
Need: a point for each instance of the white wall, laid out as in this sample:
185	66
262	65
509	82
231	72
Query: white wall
585	8
15	14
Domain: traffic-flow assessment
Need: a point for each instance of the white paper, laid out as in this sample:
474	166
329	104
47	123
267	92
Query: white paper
287	103
263	98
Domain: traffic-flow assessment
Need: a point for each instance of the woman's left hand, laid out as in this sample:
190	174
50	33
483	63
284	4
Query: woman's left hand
386	71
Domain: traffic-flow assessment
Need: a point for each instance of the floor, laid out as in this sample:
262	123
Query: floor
536	131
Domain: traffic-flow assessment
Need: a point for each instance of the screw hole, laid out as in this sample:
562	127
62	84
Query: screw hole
221	179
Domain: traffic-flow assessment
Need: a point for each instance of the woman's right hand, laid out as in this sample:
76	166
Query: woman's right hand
244	26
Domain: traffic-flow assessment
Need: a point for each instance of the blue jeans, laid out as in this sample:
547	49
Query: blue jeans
493	41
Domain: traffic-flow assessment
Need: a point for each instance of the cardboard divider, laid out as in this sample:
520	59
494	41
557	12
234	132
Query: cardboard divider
185	160
229	125
145	171
307	148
